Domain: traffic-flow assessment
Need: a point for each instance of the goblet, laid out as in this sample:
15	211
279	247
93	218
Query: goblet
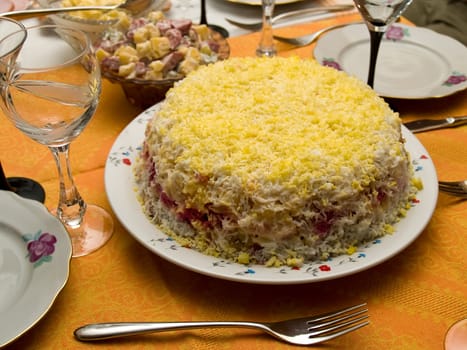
378	16
266	45
49	90
203	20
24	187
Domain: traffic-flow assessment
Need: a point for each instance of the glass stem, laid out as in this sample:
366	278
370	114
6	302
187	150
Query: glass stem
71	207
266	45
203	19
4	185
375	43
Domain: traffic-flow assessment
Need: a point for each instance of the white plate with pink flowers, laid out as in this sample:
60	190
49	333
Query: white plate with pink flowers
412	63
35	253
120	188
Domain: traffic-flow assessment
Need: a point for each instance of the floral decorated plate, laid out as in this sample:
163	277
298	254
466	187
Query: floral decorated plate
413	62
119	184
35	253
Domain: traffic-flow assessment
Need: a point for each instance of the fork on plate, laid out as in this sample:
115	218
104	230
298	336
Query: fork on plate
296	13
300	331
454	188
308	39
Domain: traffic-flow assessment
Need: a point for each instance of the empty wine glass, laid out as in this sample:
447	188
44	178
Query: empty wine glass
378	16
50	90
266	45
22	186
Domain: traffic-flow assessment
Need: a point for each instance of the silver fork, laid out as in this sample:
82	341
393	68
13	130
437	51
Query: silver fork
301	331
310	38
454	188
285	15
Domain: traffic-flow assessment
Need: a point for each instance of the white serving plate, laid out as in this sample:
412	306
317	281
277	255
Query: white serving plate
119	184
35	253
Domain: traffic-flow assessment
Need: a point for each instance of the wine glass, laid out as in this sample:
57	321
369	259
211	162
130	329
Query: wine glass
203	20
50	90
266	45
24	187
378	16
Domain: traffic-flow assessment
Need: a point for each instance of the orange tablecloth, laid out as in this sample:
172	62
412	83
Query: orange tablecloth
413	298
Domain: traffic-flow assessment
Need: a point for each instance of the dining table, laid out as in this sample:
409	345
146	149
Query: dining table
413	297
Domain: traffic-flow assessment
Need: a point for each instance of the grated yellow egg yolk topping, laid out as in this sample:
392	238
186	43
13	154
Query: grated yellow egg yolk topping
262	123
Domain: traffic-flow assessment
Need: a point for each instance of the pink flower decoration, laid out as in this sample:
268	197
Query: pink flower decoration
329	62
395	33
455	79
41	247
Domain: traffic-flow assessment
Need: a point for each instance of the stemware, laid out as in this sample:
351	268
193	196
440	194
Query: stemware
378	16
24	187
203	20
266	45
50	89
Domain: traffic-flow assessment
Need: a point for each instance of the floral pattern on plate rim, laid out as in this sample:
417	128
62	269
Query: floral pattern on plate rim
124	157
126	154
40	246
455	78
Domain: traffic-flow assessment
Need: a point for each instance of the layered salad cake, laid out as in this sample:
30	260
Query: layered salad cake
274	161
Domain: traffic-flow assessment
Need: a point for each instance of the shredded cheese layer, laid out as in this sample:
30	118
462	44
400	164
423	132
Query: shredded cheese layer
279	158
281	120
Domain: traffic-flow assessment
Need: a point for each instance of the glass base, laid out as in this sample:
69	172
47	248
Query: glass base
27	188
456	337
95	230
266	52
